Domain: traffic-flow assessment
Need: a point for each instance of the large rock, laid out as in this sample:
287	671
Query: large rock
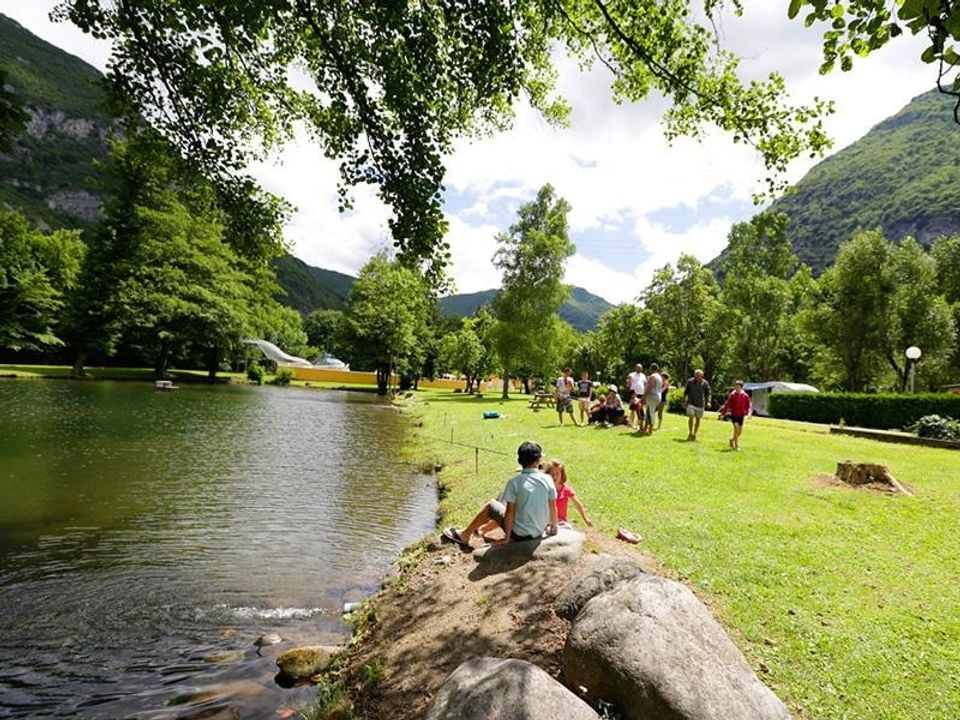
650	648
602	573
485	688
304	662
565	546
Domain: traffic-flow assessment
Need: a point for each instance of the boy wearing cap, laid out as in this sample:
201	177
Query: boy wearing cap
527	505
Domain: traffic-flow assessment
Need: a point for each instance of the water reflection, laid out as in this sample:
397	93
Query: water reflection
146	537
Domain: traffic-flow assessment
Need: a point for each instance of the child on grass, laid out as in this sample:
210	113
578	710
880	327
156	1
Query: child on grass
565	493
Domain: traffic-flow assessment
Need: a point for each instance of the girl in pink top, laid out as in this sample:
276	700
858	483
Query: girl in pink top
737	406
565	493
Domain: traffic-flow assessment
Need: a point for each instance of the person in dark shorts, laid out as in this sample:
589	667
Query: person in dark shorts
584	395
737	407
526	507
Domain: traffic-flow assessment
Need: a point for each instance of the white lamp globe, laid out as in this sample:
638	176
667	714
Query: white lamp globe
913	353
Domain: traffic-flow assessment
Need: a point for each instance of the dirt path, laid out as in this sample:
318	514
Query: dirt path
450	609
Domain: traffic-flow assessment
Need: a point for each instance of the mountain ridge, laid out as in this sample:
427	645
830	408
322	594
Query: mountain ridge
308	288
903	176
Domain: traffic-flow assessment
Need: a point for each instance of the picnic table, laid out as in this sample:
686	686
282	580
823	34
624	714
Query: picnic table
542	399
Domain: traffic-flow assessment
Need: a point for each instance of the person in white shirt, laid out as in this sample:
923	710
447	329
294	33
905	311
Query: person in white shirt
637	382
564	396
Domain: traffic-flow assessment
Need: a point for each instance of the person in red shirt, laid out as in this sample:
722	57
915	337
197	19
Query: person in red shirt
565	493
737	406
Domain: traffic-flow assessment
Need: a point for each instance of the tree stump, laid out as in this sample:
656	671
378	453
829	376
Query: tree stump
857	474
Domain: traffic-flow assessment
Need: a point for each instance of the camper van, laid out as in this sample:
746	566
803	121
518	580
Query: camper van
760	392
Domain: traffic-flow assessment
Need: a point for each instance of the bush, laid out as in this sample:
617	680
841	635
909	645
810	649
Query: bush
882	411
675	402
256	373
283	377
936	427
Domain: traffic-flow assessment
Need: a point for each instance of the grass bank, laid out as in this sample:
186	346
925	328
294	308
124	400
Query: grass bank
146	375
844	600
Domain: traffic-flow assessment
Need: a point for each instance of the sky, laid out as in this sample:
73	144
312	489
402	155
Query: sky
638	202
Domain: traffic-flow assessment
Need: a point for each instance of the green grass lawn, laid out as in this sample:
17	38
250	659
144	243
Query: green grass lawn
847	602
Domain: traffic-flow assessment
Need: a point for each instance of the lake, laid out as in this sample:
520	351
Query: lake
148	538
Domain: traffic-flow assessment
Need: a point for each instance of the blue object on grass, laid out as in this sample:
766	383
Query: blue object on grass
490	414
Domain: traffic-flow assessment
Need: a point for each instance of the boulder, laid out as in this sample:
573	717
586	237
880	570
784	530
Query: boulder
307	661
565	546
506	689
652	649
601	574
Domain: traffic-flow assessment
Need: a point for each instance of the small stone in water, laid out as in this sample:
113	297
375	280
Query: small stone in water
268	639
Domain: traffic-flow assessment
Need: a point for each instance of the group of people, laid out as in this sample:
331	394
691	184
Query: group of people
646	402
533	502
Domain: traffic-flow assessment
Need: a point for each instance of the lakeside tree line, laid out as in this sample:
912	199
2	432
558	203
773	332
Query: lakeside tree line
167	277
762	315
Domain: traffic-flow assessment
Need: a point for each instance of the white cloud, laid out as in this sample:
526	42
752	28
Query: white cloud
612	164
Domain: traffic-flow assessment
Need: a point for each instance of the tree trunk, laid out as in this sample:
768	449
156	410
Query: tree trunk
526	384
506	384
867	474
902	373
213	364
78	364
161	366
469	388
383	378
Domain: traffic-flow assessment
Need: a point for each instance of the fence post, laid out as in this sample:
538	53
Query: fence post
476	460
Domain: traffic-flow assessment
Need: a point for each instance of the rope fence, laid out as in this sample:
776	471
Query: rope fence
476	449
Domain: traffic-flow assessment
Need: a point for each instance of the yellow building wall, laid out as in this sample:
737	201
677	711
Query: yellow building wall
352	377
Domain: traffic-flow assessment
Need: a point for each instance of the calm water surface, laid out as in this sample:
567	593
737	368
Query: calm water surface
147	539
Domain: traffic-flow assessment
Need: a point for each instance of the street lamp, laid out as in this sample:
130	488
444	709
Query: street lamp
913	354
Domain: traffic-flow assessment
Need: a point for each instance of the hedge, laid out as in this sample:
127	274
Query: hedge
882	411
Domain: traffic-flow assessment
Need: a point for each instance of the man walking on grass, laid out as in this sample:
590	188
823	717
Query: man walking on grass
696	395
564	396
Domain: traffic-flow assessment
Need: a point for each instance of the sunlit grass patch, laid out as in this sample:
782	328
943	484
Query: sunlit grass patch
844	600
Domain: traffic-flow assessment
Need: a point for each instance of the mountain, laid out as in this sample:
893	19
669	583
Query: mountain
49	174
903	176
307	288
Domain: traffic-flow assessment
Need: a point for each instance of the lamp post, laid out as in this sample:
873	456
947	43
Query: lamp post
913	354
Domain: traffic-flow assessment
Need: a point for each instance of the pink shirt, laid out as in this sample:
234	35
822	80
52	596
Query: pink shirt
563	496
737	404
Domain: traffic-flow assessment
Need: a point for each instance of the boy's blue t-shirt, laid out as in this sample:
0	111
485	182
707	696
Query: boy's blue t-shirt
531	490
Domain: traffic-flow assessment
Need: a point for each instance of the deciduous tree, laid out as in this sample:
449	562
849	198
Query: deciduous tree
858	27
877	300
758	267
531	255
387	87
387	319
683	303
36	270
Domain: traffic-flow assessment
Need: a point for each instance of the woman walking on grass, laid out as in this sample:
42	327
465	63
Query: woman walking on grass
737	406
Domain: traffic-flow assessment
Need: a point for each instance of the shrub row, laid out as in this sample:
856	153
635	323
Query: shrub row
882	411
